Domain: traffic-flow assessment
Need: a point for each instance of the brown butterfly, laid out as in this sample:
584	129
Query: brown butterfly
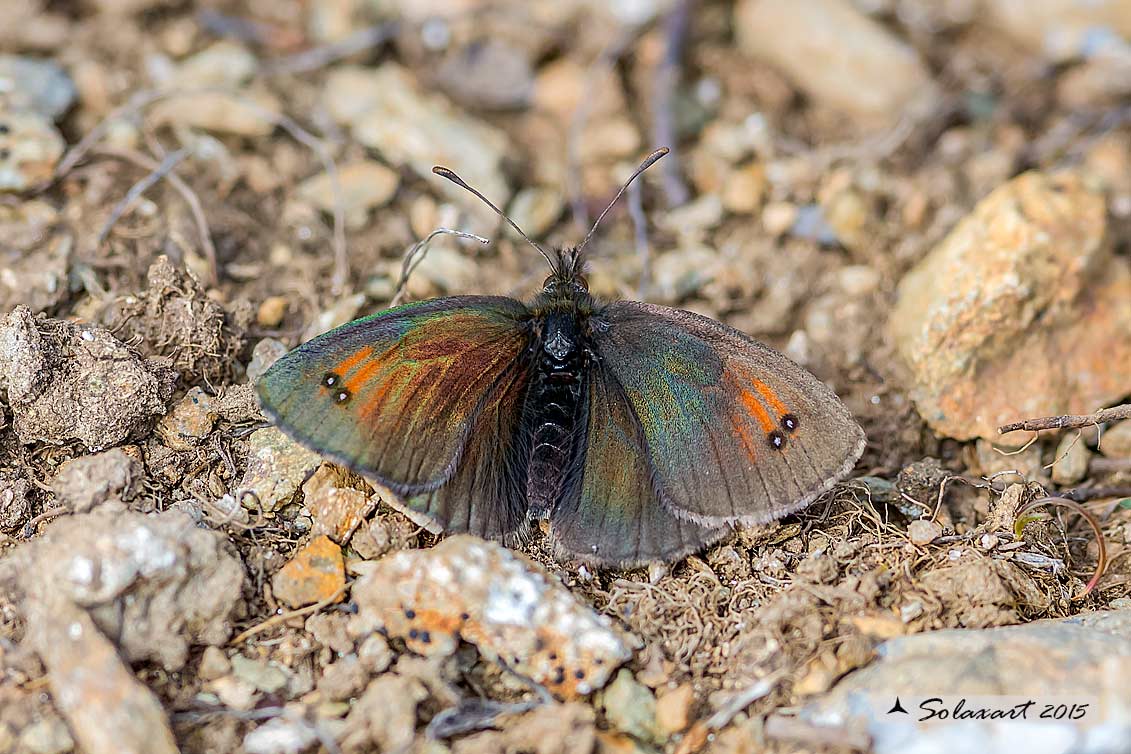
641	432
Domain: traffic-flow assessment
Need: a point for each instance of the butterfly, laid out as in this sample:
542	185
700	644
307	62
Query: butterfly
643	433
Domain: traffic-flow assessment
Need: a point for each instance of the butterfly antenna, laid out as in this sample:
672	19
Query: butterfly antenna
451	176
649	161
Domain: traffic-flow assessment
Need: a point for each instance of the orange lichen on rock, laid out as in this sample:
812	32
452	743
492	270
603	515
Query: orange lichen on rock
506	605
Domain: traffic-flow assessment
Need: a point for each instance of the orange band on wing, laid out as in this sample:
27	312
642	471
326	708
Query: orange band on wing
755	407
358	379
352	361
771	398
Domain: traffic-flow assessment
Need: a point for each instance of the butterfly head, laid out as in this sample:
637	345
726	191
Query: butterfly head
568	273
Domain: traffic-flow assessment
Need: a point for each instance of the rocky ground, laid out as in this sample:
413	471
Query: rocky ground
928	204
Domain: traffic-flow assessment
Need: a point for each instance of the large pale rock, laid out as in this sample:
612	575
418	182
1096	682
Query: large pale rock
1061	29
838	56
1021	311
1080	660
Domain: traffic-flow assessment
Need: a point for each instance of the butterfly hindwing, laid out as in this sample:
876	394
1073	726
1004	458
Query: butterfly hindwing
398	395
610	512
732	430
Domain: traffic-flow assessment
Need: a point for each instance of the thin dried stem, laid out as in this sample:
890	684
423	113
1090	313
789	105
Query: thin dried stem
1069	421
171	160
415	255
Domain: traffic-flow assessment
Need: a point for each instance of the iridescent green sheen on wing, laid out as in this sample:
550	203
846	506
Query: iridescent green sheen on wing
611	513
396	395
733	430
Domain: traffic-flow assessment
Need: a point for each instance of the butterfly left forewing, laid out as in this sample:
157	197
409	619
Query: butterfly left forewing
396	396
733	430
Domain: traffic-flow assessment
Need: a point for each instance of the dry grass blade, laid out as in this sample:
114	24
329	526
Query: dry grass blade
1069	421
415	255
1060	502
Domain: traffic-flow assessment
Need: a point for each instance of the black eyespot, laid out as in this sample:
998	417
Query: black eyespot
426	637
342	396
790	422
413	633
553	656
409	613
4	129
579	674
464	616
777	439
330	379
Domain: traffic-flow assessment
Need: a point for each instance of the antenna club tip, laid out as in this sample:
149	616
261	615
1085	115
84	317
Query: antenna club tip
440	169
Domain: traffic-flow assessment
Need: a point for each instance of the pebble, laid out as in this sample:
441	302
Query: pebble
276	466
266	352
341	312
778	218
630	707
30	147
673	710
15	502
365	185
47	736
386	111
225	64
1024	282
35	85
447	268
681	273
336	510
1116	440
281	735
744	189
247	113
510	608
87	482
1060	31
314	574
213	664
1070	464
838	56
535	210
923	531
189	422
488	74
271	311
263	676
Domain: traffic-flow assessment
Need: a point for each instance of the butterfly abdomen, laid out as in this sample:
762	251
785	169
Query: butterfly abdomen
552	410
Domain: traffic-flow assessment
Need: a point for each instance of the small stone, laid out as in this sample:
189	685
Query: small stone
488	74
189	422
535	210
316	573
271	311
386	110
838	56
511	609
375	654
365	185
682	272
344	679
224	64
744	189
213	664
858	279
276	466
15	502
234	693
265	353
1025	281
48	736
281	735
239	114
86	482
264	676
1070	463
445	267
340	313
778	218
923	531
33	85
30	147
630	707
1115	442
699	215
337	510
673	710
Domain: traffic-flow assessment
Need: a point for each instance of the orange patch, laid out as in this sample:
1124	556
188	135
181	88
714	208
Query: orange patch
755	407
357	380
770	397
352	361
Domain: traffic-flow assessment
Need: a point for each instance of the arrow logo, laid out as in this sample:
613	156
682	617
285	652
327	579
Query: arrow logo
897	707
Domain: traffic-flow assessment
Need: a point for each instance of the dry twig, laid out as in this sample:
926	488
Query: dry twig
275	620
415	255
171	160
1069	421
676	27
